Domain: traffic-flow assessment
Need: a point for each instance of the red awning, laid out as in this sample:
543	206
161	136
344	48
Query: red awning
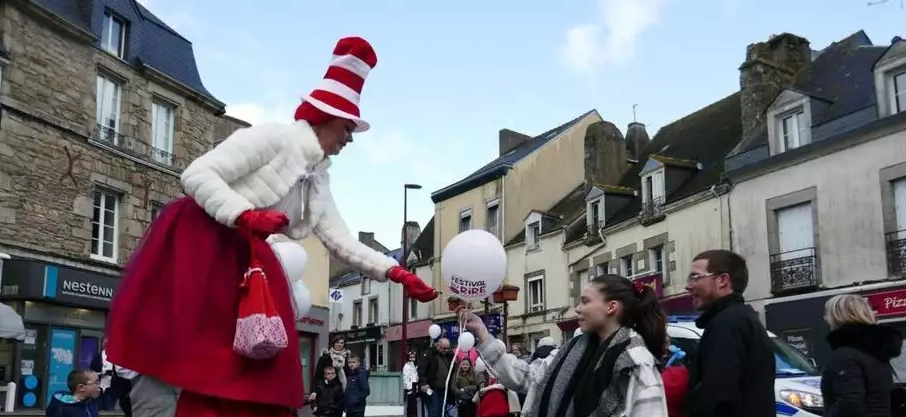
568	325
678	305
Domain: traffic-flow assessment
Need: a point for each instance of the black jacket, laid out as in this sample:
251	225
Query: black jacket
357	389
733	370
329	400
858	378
434	368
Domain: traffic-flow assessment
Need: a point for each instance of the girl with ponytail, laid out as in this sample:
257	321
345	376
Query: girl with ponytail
610	370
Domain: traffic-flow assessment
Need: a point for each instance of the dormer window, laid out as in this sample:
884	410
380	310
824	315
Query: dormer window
898	92
890	79
789	122
534	234
653	187
533	223
113	35
792	131
594	213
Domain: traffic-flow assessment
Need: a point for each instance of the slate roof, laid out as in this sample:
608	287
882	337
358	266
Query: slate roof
498	167
151	42
355	277
565	211
840	75
705	137
424	244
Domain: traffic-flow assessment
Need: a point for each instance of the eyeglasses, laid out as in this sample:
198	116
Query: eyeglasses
693	278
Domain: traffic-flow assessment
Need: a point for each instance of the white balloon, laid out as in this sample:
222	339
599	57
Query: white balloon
466	341
577	333
301	299
434	331
480	365
293	258
473	264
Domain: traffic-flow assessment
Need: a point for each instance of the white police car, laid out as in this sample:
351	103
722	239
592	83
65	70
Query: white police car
797	387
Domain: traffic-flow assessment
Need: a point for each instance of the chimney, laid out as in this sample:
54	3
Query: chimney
770	68
510	139
367	238
605	154
636	140
410	233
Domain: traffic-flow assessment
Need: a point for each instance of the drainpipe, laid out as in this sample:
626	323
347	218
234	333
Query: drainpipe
720	205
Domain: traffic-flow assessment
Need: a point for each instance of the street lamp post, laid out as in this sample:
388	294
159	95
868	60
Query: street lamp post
404	261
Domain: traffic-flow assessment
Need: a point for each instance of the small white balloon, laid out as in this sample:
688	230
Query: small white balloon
577	333
434	331
473	265
466	341
301	299
293	258
480	365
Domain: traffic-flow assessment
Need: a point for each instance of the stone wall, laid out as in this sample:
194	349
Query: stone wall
48	119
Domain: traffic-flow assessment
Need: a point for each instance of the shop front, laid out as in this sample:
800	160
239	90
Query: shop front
417	341
313	332
64	311
799	320
366	343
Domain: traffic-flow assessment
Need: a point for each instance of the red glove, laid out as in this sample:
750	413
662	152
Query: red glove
412	284
265	221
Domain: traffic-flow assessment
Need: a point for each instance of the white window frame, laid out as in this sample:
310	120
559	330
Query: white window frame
535	306
895	95
790	103
653	185
654	262
107	38
374	310
795	130
103	84
602	269
495	206
357	313
627	269
595	213
465	215
899	208
100	197
366	286
533	236
163	131
805	209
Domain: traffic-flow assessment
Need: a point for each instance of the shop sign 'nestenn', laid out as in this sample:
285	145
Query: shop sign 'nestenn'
86	289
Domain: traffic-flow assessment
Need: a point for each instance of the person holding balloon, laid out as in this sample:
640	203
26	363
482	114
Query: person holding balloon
610	370
206	304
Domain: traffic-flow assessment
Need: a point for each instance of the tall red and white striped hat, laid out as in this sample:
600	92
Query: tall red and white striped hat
339	92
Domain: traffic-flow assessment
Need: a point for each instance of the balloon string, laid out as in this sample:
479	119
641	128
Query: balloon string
450	372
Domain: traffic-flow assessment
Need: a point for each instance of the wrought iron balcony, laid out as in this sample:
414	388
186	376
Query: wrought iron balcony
110	137
593	234
652	210
896	253
794	271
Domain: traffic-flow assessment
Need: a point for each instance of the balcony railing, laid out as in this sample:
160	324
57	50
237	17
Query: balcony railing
652	210
896	253
129	145
593	235
796	270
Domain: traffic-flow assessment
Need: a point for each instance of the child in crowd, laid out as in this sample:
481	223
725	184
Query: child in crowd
328	398
357	388
84	388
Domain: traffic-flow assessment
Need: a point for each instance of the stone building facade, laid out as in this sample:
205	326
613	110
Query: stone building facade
101	108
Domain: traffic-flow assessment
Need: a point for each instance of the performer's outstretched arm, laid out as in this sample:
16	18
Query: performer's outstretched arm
332	232
207	178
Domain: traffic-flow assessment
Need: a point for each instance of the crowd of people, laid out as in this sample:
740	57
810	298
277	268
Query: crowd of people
622	363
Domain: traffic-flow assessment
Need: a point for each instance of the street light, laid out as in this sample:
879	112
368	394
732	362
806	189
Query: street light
404	262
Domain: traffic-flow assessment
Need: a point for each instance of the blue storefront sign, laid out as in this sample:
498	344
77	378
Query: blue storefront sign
451	329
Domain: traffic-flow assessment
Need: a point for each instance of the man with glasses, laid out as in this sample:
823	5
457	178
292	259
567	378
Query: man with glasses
733	371
432	377
84	389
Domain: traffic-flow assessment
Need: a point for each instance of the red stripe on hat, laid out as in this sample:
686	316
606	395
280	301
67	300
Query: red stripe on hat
358	47
346	77
336	101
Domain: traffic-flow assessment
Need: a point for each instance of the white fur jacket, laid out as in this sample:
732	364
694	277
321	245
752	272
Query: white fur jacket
257	167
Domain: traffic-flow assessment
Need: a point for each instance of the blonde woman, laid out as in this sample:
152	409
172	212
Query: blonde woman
858	378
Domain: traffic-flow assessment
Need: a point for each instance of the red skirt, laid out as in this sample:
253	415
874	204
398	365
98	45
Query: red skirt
175	311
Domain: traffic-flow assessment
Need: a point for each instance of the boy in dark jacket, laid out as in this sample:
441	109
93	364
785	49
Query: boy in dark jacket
328	396
80	400
357	388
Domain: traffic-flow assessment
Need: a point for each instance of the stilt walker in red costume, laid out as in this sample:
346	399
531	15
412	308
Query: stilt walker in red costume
205	308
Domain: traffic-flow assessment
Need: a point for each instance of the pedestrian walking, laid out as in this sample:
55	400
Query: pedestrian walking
858	379
733	371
